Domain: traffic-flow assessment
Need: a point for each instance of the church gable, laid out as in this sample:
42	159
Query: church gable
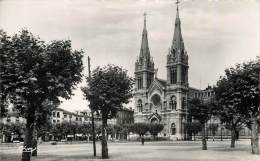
154	116
162	82
156	85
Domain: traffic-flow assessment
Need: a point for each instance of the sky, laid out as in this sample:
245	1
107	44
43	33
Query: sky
217	33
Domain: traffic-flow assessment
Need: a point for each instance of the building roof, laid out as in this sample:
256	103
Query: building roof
162	82
195	89
64	111
125	109
67	112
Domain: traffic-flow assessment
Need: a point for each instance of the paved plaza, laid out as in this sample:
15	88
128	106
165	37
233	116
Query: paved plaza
151	151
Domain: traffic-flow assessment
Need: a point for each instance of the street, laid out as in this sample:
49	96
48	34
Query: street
134	151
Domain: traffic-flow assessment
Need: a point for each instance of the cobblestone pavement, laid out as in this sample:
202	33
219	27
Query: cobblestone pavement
133	151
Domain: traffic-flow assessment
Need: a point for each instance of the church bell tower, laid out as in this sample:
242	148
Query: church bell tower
177	58
177	77
144	65
144	73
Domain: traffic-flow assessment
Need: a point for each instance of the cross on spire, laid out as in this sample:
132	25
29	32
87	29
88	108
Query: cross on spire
177	2
145	14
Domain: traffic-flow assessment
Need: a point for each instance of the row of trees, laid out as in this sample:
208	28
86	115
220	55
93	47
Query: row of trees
236	102
142	128
193	128
16	129
61	131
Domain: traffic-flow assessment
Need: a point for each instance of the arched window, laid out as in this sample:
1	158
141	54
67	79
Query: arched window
184	73
173	129
139	106
139	83
173	76
173	103
165	105
173	53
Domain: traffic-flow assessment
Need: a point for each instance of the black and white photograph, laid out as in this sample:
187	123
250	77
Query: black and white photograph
129	80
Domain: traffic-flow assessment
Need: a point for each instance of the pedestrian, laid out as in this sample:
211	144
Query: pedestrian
142	140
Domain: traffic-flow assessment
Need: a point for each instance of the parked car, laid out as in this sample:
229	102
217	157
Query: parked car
16	141
63	140
53	142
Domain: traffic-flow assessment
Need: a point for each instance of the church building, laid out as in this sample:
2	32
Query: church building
159	100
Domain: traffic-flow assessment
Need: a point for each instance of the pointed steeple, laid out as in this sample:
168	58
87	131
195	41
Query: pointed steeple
144	51
177	42
177	59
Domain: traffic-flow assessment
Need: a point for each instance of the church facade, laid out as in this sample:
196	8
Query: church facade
165	101
158	100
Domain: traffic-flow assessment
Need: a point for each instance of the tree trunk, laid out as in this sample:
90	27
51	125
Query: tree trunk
93	130
2	131
254	139
34	143
204	141
233	138
26	154
104	139
34	147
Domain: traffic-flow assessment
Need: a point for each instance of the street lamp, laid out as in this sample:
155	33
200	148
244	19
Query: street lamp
92	116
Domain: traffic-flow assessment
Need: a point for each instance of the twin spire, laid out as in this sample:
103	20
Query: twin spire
177	42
